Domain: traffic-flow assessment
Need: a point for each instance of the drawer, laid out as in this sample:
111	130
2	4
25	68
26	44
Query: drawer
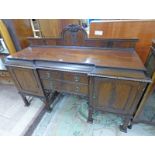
51	85
65	86
75	77
48	74
75	88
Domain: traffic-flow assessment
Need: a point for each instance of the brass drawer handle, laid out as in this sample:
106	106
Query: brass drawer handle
94	96
77	88
48	75
51	84
76	78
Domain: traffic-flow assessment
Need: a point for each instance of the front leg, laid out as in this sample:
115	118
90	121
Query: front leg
47	105
27	103
90	115
130	125
125	125
50	99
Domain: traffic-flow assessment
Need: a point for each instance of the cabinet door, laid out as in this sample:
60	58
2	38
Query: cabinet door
26	80
118	96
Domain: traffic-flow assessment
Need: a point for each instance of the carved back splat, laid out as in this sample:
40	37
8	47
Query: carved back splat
74	35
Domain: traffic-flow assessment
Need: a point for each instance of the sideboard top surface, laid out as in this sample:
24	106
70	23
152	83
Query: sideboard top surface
115	58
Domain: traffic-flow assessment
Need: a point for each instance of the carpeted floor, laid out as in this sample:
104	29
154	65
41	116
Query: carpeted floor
69	118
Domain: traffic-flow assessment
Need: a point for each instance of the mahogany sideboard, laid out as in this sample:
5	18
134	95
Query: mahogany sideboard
108	72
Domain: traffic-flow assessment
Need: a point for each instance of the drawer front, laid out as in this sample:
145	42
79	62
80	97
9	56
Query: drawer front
65	86
75	77
48	74
75	88
65	76
51	85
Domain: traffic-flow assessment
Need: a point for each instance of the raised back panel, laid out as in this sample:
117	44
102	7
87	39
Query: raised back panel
75	35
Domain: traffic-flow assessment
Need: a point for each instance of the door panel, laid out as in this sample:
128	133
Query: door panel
104	98
116	95
26	80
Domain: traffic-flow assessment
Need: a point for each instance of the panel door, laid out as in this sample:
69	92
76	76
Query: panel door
118	96
26	80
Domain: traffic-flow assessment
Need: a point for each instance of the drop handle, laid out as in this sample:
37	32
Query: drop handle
77	88
76	78
94	96
48	75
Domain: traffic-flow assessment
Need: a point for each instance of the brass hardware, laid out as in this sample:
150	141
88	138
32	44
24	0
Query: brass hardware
77	88
94	96
48	75
76	78
51	84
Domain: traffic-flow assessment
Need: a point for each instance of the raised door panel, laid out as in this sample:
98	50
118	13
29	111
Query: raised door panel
26	81
119	96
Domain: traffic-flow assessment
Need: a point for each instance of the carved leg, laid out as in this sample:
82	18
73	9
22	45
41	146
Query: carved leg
50	98
90	115
130	125
124	127
47	105
27	103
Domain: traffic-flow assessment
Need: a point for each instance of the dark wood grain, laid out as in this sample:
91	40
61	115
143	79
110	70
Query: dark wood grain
26	80
99	57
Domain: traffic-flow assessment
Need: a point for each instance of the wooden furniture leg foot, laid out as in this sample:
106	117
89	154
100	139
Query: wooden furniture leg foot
125	125
48	108
51	99
90	115
47	105
123	129
130	126
27	103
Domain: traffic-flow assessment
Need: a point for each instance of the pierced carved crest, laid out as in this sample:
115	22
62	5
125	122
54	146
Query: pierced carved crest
74	29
